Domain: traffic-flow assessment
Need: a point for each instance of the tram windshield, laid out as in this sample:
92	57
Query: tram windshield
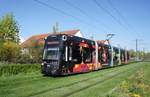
51	53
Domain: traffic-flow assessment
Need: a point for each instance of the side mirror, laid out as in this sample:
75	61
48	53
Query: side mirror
64	37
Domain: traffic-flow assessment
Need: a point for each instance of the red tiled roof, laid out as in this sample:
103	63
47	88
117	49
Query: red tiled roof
41	37
71	32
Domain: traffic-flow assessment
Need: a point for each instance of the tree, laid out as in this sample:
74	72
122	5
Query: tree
33	53
147	56
55	28
9	38
35	50
9	52
9	29
132	53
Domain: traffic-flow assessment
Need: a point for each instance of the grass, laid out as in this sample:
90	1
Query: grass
93	84
137	85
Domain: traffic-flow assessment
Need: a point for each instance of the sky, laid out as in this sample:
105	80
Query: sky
127	19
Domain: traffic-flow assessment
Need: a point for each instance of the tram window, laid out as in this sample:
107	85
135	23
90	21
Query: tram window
106	55
122	56
115	54
87	58
70	53
100	55
76	56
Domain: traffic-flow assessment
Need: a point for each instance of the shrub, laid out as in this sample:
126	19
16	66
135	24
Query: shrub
25	59
14	69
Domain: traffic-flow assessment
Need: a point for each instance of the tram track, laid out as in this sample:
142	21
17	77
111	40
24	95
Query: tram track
109	76
96	83
51	89
91	85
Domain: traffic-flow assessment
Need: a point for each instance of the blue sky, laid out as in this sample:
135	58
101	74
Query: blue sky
133	23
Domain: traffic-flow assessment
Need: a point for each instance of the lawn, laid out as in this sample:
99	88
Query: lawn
92	84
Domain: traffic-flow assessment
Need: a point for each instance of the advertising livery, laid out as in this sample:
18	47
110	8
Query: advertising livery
66	54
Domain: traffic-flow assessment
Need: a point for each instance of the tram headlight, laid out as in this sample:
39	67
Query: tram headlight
42	64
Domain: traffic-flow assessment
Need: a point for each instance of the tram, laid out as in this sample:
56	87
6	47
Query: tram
66	54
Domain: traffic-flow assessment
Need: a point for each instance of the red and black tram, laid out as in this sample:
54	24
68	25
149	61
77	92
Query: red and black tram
66	54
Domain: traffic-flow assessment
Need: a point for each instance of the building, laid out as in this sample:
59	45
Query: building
38	40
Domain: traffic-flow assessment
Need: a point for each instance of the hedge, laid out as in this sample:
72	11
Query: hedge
14	69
